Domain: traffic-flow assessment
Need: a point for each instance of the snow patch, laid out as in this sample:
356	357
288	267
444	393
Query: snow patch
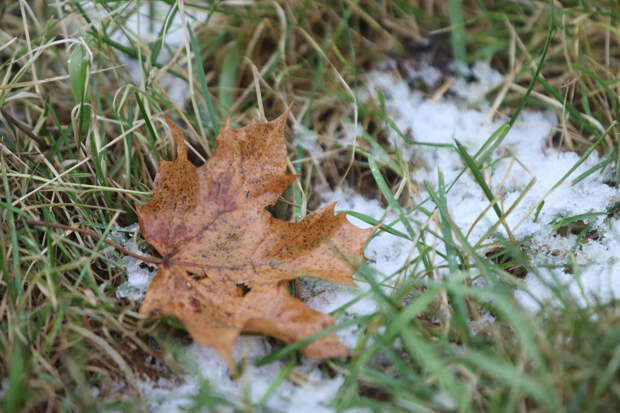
482	78
139	273
522	158
310	392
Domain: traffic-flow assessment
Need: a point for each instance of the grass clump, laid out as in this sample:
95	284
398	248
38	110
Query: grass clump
84	87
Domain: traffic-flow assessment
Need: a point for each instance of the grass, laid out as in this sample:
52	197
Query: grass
81	140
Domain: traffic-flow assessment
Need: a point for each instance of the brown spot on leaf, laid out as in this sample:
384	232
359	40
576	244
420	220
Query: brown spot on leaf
193	301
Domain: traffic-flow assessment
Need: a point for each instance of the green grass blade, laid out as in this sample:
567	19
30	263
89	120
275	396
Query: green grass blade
206	95
457	34
374	169
585	156
473	167
228	76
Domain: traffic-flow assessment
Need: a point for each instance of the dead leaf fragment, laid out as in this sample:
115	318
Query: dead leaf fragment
226	257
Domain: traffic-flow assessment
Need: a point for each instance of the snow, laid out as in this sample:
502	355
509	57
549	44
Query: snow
428	74
486	79
307	139
595	281
522	158
139	273
311	392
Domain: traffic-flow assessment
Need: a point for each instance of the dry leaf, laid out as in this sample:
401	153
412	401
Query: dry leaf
226	258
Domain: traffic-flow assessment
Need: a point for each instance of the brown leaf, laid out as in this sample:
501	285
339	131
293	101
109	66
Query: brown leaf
226	258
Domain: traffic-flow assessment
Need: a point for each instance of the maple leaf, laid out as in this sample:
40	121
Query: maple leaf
226	258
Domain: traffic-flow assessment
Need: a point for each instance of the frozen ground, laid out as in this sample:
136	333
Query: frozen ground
525	171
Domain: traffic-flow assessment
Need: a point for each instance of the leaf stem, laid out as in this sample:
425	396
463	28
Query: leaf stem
145	258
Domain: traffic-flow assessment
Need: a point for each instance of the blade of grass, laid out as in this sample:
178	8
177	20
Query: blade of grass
473	167
457	35
147	120
439	198
374	169
228	76
206	95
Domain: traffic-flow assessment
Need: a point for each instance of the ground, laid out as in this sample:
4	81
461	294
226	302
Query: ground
480	138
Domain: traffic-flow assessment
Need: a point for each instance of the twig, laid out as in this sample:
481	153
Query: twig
24	129
152	260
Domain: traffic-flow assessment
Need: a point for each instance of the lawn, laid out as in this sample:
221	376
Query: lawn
480	138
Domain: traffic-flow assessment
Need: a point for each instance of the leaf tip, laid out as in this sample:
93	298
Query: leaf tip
326	347
280	121
177	135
